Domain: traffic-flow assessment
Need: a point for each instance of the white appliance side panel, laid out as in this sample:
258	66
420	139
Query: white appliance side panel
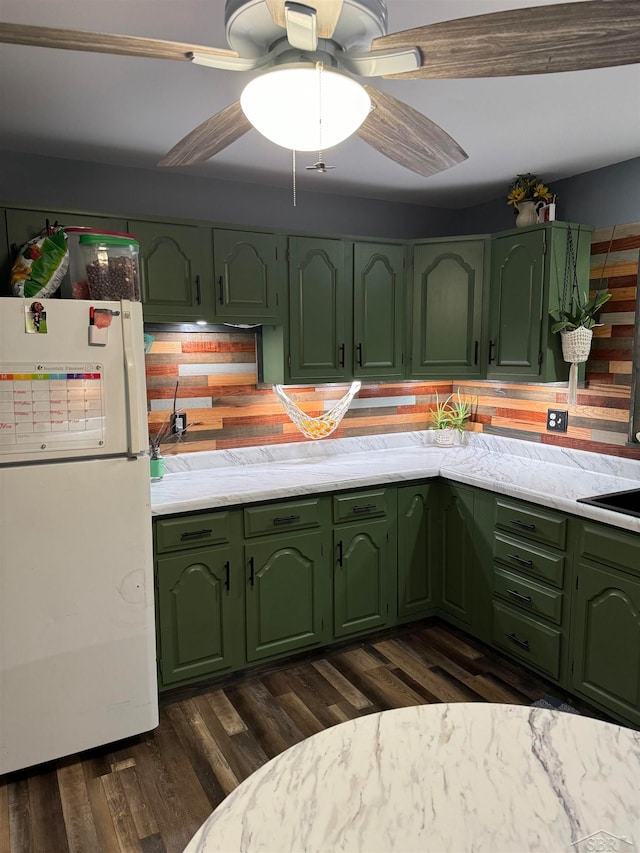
77	634
62	397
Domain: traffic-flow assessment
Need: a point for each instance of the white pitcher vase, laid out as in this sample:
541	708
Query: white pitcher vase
527	213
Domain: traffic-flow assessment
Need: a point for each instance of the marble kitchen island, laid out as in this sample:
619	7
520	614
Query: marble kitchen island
446	777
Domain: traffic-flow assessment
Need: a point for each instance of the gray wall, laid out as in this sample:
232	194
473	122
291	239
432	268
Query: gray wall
35	181
609	196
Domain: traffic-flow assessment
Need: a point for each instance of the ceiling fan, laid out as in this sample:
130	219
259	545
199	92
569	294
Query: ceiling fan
330	43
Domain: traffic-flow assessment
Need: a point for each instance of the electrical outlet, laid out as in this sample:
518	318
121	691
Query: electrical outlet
557	420
178	423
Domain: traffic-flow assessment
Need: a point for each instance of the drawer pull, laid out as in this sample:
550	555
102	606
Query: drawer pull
363	507
195	534
520	560
514	639
227	579
523	524
286	519
520	596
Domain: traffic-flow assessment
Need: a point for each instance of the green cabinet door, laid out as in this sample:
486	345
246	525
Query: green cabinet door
200	597
319	310
605	639
446	308
176	267
378	304
517	284
250	271
287	594
457	552
361	555
418	508
527	283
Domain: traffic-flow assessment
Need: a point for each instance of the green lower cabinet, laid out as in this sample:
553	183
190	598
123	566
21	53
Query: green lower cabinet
361	570
457	552
200	611
417	539
605	638
288	585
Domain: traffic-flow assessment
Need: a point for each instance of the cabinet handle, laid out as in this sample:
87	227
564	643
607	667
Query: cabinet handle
475	353
194	534
227	581
514	639
520	596
492	346
363	507
220	290
341	357
359	355
520	560
340	554
286	519
252	574
198	291
523	524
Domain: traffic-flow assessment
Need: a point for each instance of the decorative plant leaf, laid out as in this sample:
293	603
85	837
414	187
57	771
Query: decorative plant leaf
581	313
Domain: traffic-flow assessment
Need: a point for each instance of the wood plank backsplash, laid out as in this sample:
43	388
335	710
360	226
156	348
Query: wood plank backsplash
217	376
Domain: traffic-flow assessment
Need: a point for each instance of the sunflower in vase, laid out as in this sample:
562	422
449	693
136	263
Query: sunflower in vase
528	194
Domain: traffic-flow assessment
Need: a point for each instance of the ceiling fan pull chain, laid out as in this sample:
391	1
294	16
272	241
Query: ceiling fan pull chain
320	67
293	174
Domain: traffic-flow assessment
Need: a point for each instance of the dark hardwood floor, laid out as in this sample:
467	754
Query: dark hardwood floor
151	793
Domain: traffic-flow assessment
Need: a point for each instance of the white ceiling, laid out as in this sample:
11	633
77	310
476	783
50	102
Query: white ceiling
130	111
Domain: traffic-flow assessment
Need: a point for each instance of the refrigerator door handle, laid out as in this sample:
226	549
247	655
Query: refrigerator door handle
131	385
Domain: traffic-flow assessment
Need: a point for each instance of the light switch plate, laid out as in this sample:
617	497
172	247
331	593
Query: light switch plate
557	420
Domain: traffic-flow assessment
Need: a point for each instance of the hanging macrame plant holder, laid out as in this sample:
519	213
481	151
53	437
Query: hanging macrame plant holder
323	425
576	343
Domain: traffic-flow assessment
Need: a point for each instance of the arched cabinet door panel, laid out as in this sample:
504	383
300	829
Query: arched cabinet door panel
361	572
250	271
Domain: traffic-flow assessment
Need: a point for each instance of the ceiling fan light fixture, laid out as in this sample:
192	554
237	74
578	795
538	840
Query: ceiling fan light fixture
303	108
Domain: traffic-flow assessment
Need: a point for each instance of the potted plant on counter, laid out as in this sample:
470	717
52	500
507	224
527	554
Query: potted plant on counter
450	417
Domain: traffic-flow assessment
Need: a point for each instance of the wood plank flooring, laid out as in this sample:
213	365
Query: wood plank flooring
151	793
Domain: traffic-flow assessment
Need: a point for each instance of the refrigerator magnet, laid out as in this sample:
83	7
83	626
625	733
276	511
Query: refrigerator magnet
35	320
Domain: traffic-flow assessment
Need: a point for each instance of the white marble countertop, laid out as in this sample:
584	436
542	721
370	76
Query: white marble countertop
543	474
445	777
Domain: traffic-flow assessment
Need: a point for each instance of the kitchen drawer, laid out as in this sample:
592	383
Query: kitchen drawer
530	640
194	531
525	557
536	599
350	507
274	518
531	522
611	546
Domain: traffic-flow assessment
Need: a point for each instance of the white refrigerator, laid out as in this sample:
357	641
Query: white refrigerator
77	646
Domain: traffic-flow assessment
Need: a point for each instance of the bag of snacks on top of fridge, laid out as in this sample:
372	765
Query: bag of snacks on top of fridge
41	264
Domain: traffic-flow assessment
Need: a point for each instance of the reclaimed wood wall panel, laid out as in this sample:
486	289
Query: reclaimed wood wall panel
217	376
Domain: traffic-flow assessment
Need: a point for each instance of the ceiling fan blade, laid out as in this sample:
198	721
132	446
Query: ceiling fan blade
104	43
209	138
538	40
328	12
406	136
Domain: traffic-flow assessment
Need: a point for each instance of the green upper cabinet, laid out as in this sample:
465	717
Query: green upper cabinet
527	283
22	225
446	308
378	303
250	272
319	310
176	267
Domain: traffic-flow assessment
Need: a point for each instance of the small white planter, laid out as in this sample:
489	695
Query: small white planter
445	437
